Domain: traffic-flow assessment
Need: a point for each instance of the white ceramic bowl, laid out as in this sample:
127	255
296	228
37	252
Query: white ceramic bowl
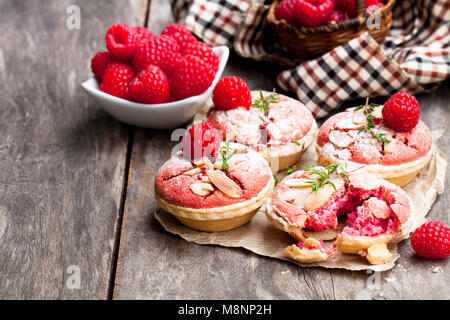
157	116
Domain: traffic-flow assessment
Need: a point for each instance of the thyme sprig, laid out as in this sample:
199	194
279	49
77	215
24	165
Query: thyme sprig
324	175
290	170
368	109
226	153
264	102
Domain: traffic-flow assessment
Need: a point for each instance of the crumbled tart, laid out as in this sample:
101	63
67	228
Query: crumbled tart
358	211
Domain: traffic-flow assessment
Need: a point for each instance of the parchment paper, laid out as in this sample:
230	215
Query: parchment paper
261	238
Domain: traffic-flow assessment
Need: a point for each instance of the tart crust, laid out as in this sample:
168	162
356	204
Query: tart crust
305	255
279	157
219	218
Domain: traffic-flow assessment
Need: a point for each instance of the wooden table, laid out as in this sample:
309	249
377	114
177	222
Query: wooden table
76	186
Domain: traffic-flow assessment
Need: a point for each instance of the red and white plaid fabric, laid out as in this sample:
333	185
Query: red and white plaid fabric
415	55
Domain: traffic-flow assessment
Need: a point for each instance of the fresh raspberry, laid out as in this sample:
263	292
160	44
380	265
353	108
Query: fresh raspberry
340	5
231	93
116	80
337	16
192	78
312	13
204	52
202	140
369	3
143	34
374	8
286	10
432	240
99	63
180	34
158	51
150	86
121	41
351	9
401	112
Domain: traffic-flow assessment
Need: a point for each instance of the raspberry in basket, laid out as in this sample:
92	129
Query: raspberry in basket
401	112
312	13
231	93
286	11
432	240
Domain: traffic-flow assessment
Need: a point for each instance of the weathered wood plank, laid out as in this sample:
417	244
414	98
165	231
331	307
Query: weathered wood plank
155	264
62	158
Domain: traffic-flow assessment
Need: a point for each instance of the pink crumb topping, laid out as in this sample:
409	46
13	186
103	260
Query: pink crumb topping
287	120
403	146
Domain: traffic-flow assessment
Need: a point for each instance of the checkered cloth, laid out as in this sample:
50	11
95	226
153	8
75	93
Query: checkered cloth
414	57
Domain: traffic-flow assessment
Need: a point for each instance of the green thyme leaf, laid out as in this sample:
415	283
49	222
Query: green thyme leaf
324	175
290	170
264	102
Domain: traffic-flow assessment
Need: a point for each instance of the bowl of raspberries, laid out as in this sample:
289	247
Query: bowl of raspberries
310	28
154	81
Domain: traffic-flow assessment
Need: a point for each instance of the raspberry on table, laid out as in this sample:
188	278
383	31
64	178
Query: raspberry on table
312	13
150	86
158	51
179	32
143	34
202	140
432	240
286	10
121	41
193	77
401	112
99	63
204	52
231	93
116	80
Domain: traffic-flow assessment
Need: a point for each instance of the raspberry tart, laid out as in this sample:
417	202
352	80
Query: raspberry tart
280	128
357	209
218	187
389	141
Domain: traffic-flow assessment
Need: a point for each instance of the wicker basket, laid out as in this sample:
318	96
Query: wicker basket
311	42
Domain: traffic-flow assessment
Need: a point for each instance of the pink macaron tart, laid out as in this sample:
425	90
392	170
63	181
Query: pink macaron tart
212	185
388	140
355	210
280	128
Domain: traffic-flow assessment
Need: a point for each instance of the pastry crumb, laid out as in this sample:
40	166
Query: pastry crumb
437	270
390	279
284	272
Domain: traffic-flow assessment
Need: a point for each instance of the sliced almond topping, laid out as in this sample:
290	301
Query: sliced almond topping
224	184
347	123
206	179
359	117
244	165
201	188
202	161
297	183
378	254
317	198
340	138
301	197
312	243
192	172
377	112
